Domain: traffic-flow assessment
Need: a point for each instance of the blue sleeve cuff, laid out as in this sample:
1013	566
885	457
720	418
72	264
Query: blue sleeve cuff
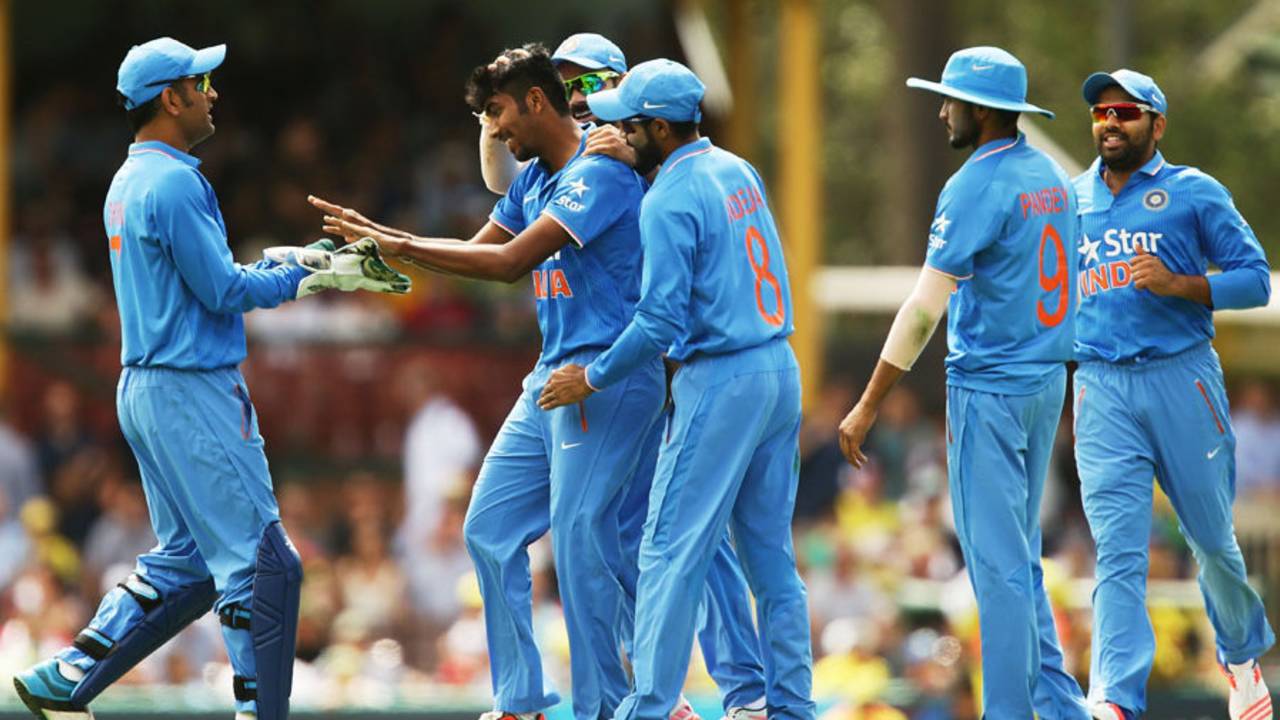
1239	289
632	349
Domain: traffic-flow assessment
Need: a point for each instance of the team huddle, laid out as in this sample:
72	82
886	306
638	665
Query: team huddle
656	438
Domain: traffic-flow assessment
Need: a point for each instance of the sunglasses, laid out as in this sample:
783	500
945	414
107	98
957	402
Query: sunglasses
588	83
203	82
1124	111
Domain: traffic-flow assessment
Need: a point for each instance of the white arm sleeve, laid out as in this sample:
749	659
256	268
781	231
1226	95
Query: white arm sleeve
498	167
917	318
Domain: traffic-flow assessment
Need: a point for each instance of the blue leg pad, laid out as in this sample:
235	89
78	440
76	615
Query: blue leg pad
162	618
277	583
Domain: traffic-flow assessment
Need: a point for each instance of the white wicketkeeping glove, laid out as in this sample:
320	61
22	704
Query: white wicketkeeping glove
358	266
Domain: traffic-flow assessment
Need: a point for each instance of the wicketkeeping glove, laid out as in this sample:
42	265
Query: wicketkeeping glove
358	266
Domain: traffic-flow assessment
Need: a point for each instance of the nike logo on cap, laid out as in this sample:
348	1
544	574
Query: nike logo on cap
982	68
652	106
568	446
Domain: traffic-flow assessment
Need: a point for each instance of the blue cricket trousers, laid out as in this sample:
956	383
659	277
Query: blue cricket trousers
1165	419
998	452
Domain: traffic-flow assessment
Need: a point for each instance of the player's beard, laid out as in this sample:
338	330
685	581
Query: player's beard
963	128
1133	152
521	152
649	155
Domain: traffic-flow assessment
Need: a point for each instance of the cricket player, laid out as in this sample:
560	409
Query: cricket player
572	221
999	260
185	410
715	296
589	63
1149	395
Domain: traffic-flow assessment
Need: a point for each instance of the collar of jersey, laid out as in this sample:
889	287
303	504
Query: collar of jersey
1153	165
155	146
684	151
995	146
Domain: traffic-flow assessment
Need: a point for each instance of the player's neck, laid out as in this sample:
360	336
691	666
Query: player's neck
563	140
167	134
674	144
991	134
1116	179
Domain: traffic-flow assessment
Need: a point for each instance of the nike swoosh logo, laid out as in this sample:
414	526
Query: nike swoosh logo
652	106
1213	452
982	68
569	446
614	58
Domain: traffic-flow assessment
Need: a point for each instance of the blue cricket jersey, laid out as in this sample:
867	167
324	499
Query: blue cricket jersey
1187	219
1005	227
715	279
179	292
587	291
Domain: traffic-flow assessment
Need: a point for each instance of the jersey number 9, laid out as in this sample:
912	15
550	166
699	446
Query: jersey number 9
1057	282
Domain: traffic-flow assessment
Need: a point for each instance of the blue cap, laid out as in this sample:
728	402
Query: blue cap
986	76
591	51
1140	86
149	67
655	88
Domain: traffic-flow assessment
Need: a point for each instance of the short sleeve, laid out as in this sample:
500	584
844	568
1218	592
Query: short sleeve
591	196
508	213
966	222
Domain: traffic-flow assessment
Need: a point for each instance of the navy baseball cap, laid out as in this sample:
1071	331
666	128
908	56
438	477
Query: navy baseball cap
1136	84
655	88
591	51
149	67
985	76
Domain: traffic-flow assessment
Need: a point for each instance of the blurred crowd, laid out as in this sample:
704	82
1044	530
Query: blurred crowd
390	607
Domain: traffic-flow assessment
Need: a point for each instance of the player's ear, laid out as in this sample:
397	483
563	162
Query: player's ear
535	99
661	128
170	102
1157	127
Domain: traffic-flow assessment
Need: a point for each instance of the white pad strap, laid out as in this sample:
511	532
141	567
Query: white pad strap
918	318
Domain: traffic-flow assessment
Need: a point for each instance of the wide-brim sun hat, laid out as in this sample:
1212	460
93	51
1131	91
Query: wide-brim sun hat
987	76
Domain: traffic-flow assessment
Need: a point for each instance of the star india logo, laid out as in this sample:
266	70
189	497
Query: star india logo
1089	249
937	230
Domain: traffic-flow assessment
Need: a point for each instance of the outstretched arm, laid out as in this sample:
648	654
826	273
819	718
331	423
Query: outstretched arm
492	254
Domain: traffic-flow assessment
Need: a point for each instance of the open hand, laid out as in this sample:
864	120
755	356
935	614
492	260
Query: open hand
351	230
609	141
338	211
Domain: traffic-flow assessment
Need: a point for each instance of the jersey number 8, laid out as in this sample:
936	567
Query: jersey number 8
762	275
